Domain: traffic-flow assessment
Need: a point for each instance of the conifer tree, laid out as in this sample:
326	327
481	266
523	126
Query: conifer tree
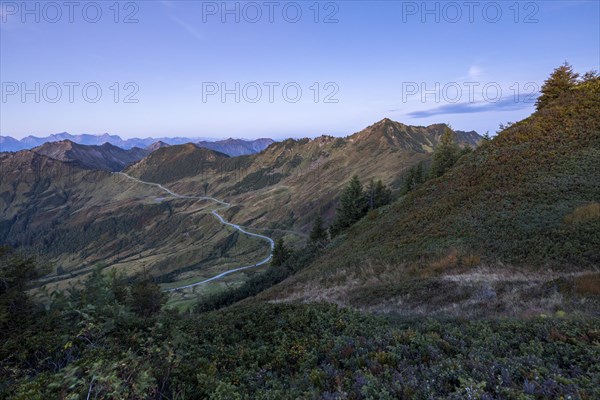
318	234
378	194
414	177
353	206
419	176
560	81
280	253
146	297
445	154
16	273
409	181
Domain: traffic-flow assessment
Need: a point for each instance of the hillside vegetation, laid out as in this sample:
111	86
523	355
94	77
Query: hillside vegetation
523	205
108	340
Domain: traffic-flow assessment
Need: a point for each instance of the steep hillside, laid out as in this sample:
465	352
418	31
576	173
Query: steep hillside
105	157
471	138
58	203
510	228
172	163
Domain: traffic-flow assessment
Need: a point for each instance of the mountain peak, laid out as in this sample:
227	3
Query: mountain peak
386	134
65	144
157	145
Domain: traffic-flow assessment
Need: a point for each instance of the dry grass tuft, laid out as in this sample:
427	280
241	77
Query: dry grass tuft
587	284
586	213
453	260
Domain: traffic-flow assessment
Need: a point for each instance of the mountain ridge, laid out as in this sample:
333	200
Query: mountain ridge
288	174
105	157
238	146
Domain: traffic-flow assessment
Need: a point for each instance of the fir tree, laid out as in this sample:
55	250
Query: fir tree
378	194
409	181
147	298
415	176
280	253
353	206
445	154
419	176
318	234
560	81
16	273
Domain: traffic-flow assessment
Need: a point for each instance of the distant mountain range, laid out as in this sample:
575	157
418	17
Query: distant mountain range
231	147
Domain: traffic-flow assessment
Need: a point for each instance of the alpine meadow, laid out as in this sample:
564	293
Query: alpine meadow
300	200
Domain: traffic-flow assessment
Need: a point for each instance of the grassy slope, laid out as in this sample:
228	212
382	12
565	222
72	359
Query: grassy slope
285	185
76	219
508	206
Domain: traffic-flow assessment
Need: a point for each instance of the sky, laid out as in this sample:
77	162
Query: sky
281	69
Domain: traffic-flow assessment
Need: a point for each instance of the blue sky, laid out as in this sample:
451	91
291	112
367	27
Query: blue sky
369	60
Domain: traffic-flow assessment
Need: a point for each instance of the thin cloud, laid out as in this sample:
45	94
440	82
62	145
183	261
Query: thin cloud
475	72
187	27
505	104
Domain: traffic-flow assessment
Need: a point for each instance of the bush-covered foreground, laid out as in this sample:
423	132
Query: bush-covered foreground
93	343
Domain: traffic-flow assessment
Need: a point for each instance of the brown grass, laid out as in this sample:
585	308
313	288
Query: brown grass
586	213
587	284
453	261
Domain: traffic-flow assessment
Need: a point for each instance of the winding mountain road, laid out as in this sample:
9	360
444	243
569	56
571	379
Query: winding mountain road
221	220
